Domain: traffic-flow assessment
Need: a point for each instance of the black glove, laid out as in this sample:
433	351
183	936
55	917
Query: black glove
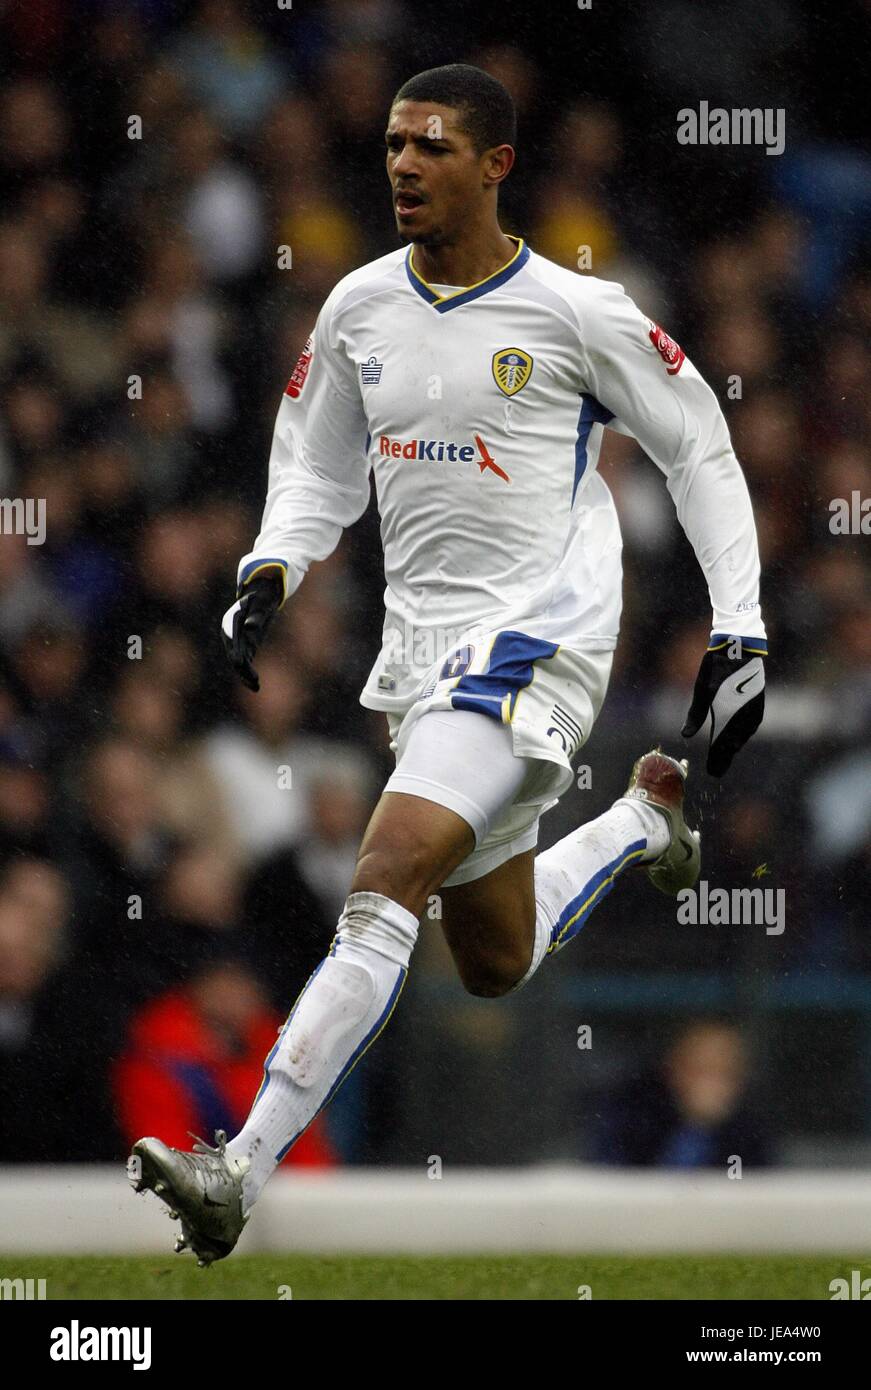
731	687
246	624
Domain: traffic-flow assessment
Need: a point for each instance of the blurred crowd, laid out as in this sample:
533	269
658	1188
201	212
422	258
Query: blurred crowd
174	850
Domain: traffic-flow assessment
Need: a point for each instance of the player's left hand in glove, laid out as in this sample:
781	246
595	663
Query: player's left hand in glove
246	624
731	687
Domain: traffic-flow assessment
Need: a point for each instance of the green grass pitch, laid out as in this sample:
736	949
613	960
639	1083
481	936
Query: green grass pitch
482	1277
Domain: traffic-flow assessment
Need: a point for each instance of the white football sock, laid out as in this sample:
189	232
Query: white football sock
341	1010
573	877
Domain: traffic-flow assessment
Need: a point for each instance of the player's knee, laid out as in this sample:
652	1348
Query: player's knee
488	985
402	873
491	978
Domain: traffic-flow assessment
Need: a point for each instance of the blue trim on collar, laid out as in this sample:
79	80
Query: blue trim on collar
420	286
454	301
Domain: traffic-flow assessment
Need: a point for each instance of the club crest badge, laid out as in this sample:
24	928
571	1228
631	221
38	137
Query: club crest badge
512	368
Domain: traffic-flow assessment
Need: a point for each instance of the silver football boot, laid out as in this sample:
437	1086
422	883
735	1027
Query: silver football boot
660	781
203	1188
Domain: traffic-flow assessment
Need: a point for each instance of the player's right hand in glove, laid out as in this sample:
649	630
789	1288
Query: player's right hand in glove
246	624
731	687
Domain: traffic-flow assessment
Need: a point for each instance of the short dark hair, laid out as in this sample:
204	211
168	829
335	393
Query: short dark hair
488	114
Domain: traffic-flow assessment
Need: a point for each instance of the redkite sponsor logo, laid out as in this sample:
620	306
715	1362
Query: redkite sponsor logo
671	353
300	372
441	451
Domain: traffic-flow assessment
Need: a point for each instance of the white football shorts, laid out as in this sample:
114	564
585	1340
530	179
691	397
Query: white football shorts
536	702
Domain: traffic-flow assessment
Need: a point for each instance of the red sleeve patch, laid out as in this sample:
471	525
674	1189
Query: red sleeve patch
671	353
300	372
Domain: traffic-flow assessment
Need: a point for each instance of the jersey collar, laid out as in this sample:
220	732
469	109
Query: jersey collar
442	303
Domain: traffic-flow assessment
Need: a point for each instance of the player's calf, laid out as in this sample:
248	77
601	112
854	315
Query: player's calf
489	925
503	926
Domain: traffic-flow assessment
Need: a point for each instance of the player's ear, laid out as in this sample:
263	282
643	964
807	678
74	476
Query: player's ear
498	164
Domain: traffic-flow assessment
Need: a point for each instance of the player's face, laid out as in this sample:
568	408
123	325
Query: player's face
434	170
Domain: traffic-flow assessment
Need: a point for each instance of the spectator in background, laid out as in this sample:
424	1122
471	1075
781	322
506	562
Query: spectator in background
26	823
357	90
194	915
741	341
33	411
167	588
34	132
159	435
573	201
264	764
320	639
289	145
194	1059
111	508
837	803
286	926
296	894
221	207
204	906
179	319
76	344
51	1034
341	800
28	959
48	664
691	1112
149	711
120	849
226	62
27	592
85	570
319	238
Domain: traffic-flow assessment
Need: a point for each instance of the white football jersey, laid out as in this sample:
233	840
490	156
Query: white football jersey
480	416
